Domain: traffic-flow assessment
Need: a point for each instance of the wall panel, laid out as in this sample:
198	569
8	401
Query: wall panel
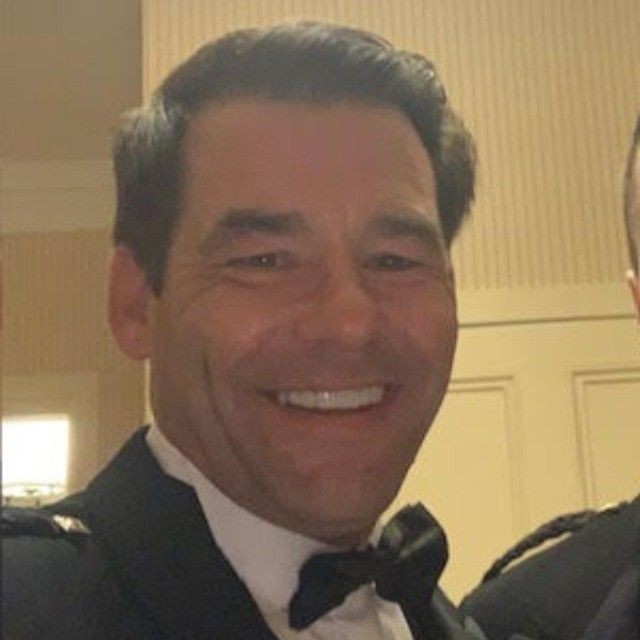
467	474
541	418
609	431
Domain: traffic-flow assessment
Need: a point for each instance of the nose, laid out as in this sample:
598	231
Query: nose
343	311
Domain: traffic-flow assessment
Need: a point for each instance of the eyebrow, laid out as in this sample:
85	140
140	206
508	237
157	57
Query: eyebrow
237	222
409	225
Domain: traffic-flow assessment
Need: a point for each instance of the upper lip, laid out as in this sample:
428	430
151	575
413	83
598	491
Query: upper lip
320	387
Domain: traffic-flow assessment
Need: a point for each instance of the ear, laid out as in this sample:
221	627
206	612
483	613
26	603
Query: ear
634	285
129	304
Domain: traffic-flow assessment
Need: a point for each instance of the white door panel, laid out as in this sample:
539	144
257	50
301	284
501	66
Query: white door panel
540	419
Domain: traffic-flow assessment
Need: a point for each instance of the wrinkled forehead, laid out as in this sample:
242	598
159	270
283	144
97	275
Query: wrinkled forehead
286	149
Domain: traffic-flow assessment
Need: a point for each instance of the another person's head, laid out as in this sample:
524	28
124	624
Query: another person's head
632	213
286	205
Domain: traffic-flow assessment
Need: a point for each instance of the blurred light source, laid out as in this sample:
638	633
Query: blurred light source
35	451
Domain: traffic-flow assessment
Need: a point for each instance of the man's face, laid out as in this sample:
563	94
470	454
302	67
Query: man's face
304	337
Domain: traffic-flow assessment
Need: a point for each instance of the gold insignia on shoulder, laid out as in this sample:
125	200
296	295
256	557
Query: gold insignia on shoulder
71	525
612	507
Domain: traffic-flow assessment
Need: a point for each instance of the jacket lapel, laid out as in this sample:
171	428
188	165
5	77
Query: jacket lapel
156	534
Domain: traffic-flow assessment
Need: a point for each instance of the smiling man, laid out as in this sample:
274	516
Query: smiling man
281	366
286	205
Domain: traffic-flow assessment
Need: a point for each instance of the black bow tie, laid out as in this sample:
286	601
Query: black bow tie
405	567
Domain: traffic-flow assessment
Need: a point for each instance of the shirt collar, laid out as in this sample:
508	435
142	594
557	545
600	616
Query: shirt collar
266	557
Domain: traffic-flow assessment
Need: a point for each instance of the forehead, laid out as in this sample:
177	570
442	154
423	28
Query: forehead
280	150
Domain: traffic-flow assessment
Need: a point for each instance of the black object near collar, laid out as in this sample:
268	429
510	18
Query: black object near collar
405	567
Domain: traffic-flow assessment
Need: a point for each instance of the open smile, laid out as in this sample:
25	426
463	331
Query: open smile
332	400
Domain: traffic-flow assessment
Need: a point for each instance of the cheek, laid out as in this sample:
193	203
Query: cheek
228	340
432	339
431	327
212	331
235	323
186	344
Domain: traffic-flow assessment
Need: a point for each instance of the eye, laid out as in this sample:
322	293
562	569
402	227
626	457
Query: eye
276	260
392	262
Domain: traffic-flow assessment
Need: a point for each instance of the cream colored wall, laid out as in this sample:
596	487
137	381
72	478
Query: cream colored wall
540	419
57	353
74	66
542	413
70	67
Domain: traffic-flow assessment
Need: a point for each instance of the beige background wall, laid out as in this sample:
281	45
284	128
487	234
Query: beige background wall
67	69
58	355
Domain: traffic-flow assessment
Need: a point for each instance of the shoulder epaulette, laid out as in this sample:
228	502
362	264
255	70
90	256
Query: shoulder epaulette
34	522
567	523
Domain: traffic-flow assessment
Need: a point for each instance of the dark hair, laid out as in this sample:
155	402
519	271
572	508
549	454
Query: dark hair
307	62
629	189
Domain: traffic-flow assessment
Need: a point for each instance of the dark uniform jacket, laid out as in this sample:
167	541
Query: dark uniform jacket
587	586
148	569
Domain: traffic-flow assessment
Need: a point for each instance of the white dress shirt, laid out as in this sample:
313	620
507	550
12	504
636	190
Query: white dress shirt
267	558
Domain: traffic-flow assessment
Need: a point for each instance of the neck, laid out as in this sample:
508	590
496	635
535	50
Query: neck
345	540
341	534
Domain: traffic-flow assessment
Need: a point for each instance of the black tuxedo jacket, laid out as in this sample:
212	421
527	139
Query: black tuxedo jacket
587	586
149	569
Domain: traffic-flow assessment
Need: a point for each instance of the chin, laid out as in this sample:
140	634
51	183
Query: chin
340	511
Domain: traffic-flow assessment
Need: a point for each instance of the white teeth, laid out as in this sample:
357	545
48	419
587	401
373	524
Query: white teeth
332	400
